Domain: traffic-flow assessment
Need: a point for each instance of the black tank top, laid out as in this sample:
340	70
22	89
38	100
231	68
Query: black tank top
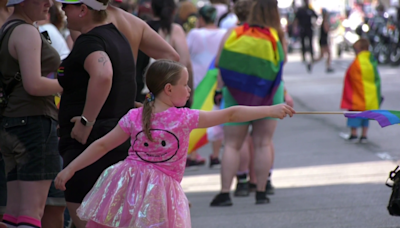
74	78
323	34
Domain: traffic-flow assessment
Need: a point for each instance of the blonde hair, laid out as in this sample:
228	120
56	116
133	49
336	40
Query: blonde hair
159	74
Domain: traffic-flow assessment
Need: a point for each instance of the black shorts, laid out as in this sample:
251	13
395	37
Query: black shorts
323	42
83	180
37	159
29	146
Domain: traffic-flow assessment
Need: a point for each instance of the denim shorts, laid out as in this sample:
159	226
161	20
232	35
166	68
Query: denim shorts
357	123
29	147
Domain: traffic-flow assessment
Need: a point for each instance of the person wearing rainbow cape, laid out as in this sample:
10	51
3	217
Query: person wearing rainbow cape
362	89
250	60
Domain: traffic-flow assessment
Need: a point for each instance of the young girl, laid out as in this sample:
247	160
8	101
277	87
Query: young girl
144	190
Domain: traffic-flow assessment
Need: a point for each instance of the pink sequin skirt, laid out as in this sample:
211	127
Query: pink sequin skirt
133	194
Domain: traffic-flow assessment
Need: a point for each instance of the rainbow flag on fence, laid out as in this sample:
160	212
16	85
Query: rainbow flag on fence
251	64
203	99
362	84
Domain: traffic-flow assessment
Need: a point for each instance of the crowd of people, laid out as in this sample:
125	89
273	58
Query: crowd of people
115	145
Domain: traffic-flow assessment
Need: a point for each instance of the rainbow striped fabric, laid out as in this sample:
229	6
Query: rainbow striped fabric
251	64
203	99
362	84
384	117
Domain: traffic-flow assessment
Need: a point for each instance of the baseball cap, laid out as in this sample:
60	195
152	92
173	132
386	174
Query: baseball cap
13	2
91	3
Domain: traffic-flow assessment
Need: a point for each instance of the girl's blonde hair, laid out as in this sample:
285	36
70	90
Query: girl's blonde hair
159	74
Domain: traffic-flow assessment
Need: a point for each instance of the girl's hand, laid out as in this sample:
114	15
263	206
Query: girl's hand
62	178
281	111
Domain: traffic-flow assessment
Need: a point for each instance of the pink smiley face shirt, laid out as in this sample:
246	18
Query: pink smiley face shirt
170	131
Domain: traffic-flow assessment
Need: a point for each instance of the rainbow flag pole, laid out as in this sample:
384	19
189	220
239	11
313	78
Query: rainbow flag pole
203	100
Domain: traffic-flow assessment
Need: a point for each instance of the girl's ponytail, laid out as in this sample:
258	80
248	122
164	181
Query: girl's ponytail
147	114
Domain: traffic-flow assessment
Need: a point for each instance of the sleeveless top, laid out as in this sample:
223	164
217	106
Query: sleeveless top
20	103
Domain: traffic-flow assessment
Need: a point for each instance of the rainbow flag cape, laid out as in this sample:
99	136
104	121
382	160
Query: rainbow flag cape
384	117
203	99
251	64
362	84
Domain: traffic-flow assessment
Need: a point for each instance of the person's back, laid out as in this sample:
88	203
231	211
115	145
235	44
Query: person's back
304	16
362	84
203	46
125	22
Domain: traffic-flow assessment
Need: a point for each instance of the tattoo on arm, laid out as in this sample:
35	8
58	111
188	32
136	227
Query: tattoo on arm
103	59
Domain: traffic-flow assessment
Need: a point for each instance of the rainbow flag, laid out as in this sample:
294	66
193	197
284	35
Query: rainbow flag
384	117
203	99
57	100
362	84
251	64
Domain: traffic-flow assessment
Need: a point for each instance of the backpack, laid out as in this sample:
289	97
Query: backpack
6	89
394	201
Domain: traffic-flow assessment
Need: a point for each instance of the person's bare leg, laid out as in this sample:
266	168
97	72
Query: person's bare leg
252	173
33	199
354	131
329	59
244	157
321	55
216	147
364	132
72	207
234	137
53	217
263	131
193	155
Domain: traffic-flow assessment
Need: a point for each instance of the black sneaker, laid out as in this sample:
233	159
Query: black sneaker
261	198
214	162
269	189
242	189
193	164
363	139
330	70
309	67
221	200
252	187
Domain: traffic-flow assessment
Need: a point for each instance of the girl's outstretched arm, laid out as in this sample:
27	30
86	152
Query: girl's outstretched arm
93	153
243	114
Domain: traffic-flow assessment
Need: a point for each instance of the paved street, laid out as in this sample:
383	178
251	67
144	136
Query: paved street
321	181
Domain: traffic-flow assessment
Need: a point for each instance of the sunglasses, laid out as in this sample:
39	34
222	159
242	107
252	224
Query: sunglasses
65	5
